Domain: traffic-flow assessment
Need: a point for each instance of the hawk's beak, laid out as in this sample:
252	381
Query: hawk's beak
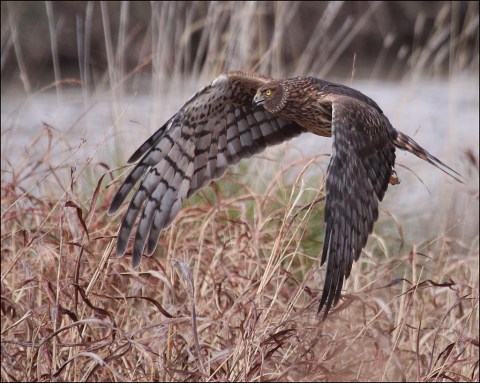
258	99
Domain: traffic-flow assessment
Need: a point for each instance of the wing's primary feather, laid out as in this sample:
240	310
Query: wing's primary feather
358	174
216	128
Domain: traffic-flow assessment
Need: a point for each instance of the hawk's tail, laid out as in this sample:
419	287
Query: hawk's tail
402	141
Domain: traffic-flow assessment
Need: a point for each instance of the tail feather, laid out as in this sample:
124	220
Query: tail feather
402	141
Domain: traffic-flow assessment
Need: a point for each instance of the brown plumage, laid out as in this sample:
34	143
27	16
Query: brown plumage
240	114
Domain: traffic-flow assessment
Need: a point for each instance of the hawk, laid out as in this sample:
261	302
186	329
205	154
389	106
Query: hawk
238	115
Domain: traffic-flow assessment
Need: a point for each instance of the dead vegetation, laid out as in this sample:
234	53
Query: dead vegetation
230	295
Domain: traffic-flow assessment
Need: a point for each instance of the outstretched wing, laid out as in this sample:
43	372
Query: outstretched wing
358	175
216	128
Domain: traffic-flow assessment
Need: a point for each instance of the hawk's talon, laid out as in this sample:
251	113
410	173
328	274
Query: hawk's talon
394	180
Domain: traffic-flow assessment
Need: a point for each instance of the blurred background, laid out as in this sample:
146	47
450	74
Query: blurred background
92	80
43	42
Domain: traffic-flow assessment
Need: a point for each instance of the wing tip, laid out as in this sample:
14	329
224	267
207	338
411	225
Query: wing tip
113	208
330	298
137	257
136	262
137	154
322	304
121	247
331	290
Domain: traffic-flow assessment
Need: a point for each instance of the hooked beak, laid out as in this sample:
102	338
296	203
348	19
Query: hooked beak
258	99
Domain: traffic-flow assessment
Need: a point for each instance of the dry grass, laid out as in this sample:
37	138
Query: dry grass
232	291
230	295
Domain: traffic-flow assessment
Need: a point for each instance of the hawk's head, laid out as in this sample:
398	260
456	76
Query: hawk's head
272	96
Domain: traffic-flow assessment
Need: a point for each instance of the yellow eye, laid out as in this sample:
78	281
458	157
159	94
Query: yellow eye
268	92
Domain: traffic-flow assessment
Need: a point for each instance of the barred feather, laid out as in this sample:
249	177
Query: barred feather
216	128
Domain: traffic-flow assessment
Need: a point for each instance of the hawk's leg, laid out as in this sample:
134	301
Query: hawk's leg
394	180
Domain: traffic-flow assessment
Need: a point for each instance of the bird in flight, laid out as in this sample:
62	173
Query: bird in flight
241	113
